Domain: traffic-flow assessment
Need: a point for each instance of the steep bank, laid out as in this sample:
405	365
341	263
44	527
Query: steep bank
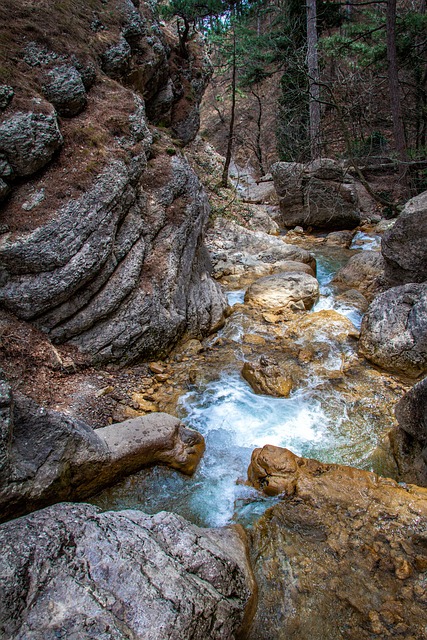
103	219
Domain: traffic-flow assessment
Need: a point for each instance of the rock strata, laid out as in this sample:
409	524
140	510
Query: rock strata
72	571
342	555
47	456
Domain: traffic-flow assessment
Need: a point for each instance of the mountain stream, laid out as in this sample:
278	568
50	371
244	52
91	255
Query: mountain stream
332	416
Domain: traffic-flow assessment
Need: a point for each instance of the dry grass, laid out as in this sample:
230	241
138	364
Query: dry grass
91	139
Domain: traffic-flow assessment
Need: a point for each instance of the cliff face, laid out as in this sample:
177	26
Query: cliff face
102	219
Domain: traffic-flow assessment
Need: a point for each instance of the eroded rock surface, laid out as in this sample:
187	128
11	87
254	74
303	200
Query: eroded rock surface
239	254
318	194
47	456
113	259
342	555
123	575
394	330
404	246
282	290
362	272
409	439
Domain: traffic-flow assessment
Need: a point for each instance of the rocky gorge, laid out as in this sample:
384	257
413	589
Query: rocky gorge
133	291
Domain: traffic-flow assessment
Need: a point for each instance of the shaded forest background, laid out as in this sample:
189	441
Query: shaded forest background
363	96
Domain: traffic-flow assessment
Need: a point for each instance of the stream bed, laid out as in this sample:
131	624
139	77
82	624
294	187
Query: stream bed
331	417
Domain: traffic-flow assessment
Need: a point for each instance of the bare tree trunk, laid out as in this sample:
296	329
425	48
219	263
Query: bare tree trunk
393	81
258	149
224	179
313	79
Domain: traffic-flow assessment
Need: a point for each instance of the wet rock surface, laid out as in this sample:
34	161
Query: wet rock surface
394	330
342	555
121	575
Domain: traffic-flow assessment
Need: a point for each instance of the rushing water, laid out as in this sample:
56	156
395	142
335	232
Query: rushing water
315	421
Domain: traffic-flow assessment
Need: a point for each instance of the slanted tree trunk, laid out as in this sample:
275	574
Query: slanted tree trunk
313	79
224	179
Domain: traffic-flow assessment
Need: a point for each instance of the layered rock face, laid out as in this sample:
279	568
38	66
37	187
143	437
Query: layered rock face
47	456
74	572
318	195
119	268
342	555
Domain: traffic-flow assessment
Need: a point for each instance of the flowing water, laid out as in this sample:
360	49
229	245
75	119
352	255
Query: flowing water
324	419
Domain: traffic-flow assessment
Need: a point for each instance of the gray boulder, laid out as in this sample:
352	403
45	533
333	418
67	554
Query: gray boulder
394	330
72	571
46	456
409	439
29	140
115	60
296	290
316	195
65	89
6	95
411	412
404	246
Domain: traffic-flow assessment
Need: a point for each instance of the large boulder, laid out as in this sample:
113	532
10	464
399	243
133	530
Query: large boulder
28	141
404	246
46	456
394	330
409	439
65	89
318	195
361	272
343	554
282	290
113	258
72	571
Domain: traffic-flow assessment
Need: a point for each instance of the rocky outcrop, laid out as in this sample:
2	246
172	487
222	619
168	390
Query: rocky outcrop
291	289
113	258
362	272
394	330
27	143
46	456
409	439
71	570
342	555
404	246
318	194
240	254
